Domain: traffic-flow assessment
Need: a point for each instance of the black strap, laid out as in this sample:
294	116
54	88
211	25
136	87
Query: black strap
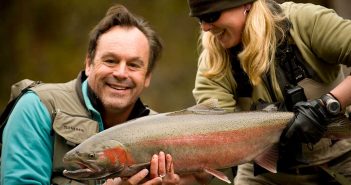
292	63
244	87
9	107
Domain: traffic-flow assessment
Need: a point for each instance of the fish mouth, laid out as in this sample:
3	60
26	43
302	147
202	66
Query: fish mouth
84	170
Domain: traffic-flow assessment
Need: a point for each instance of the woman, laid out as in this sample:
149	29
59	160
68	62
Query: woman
255	51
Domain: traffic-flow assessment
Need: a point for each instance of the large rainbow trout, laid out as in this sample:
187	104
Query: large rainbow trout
200	139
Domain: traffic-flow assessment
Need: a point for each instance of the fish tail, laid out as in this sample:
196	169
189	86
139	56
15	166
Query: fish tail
340	128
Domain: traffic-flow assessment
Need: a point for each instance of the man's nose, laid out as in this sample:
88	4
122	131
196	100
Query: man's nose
121	70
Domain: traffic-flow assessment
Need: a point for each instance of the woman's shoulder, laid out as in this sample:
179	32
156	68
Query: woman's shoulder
303	10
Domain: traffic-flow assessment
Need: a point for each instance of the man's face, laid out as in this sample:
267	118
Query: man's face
118	73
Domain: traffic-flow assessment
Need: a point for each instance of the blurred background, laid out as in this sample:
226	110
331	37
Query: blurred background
47	41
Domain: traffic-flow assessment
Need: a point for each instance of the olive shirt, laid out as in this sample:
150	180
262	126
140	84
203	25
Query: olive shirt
322	37
324	40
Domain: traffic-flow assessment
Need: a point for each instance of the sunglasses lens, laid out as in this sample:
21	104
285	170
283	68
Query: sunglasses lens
210	17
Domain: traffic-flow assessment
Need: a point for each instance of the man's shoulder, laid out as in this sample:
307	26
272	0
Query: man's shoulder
52	87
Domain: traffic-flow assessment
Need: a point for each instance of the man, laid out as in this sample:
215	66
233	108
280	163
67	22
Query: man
50	119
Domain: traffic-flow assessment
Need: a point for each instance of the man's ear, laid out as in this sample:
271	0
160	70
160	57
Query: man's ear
88	63
147	80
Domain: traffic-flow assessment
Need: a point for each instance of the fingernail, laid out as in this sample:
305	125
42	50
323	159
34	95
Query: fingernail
145	171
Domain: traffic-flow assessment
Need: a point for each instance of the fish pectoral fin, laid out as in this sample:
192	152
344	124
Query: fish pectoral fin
220	175
133	169
140	166
269	159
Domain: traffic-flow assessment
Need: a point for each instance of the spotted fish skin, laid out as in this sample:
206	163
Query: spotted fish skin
198	140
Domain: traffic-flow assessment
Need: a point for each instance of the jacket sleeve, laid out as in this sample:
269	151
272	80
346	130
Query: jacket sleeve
27	143
220	88
322	36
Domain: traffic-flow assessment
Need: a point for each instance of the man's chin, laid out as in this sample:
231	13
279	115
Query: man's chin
113	104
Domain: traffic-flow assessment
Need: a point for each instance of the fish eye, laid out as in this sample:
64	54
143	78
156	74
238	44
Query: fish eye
91	155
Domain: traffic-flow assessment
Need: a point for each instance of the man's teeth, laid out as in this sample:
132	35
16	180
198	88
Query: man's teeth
119	88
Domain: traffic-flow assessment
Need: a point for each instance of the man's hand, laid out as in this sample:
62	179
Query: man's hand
135	179
161	172
162	166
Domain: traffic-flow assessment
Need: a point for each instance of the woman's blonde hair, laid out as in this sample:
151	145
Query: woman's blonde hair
259	41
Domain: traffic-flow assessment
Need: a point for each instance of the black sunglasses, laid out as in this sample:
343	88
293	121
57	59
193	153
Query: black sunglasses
209	17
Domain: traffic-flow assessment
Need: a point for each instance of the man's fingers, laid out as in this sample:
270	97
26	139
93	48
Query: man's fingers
154	166
115	181
154	181
161	164
135	179
169	163
171	178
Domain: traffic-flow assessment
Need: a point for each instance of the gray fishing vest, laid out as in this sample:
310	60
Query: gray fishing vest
71	122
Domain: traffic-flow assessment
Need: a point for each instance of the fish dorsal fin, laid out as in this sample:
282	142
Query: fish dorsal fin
220	175
208	107
269	159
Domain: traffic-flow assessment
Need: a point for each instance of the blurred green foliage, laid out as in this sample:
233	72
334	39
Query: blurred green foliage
47	40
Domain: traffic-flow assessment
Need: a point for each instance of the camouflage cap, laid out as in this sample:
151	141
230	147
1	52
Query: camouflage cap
201	7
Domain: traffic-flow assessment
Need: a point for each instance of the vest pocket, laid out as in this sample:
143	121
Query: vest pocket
70	130
74	128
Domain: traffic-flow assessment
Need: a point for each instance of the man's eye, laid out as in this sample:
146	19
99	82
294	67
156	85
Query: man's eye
109	61
133	65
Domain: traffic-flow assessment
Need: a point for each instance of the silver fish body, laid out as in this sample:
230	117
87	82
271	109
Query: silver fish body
197	140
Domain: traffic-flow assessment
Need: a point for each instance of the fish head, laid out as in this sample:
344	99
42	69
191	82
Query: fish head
95	160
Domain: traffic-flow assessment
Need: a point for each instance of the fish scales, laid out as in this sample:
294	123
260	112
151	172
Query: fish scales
195	140
166	124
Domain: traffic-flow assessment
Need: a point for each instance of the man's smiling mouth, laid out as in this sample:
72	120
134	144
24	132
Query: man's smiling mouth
119	87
